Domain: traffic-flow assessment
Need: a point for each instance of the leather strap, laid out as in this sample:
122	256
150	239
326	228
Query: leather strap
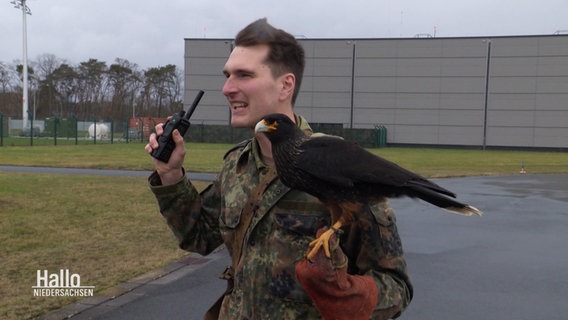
246	217
248	213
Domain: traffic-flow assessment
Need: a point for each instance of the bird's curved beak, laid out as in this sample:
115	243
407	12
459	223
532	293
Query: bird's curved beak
264	126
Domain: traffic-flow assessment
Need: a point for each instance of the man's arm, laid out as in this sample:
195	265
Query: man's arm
192	217
374	248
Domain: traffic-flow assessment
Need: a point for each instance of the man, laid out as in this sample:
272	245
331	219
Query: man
265	226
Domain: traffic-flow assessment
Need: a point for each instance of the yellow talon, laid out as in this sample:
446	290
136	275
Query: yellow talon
323	241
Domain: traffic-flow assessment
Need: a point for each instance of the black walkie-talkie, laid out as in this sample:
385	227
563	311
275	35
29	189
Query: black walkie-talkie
179	121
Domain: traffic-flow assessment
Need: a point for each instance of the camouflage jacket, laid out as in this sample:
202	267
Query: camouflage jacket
284	222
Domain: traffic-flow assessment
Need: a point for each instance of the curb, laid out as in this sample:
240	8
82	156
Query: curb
124	293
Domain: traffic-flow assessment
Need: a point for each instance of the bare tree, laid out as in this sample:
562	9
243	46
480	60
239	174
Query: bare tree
91	83
125	82
10	97
5	77
46	63
91	89
63	81
162	90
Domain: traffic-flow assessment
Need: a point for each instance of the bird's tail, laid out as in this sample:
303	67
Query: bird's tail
466	210
445	202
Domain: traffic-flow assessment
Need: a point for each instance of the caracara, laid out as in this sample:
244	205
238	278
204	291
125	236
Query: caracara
344	176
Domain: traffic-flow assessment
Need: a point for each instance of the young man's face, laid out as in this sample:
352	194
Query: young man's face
250	88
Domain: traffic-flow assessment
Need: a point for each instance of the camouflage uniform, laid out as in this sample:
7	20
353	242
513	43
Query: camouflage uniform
284	222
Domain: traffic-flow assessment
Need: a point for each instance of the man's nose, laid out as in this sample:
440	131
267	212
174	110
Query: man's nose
229	86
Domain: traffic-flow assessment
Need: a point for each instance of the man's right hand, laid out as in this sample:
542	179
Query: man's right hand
170	172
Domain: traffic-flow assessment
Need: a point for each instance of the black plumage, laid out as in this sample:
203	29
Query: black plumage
343	175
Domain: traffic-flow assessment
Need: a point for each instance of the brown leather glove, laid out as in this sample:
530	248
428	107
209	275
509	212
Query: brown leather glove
336	294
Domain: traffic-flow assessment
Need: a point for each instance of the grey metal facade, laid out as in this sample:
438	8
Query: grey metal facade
494	91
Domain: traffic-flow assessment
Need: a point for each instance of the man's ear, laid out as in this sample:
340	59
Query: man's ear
288	82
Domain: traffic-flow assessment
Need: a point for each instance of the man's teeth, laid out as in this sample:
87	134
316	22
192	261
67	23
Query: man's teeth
239	105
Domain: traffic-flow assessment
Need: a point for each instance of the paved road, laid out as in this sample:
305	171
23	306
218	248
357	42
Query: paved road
510	264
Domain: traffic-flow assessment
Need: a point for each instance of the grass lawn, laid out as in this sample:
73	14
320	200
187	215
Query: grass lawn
204	157
109	230
130	156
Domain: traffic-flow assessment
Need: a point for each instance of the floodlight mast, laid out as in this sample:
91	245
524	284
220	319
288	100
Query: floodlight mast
21	4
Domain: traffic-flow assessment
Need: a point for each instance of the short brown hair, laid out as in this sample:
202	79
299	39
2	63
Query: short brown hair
285	52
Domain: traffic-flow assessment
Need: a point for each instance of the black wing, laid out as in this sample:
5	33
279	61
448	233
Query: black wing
345	164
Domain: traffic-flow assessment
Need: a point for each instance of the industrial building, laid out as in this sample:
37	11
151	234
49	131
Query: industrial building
473	92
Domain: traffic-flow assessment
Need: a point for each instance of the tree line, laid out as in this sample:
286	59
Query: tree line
91	89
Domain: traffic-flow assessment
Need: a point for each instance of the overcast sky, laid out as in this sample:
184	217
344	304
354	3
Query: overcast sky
151	33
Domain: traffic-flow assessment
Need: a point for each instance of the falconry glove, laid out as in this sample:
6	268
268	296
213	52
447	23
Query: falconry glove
336	294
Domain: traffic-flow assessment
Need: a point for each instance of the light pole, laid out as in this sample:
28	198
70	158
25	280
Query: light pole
353	44
486	96
21	4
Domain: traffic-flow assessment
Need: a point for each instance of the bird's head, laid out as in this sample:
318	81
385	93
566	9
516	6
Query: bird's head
277	127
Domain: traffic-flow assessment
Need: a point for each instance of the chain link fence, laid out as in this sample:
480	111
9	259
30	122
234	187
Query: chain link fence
65	131
69	131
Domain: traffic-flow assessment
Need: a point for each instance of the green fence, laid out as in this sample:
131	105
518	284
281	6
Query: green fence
3	129
62	131
227	134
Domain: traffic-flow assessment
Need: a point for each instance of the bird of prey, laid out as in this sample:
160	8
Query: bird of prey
344	176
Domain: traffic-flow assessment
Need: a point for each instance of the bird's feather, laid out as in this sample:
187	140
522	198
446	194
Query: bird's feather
344	163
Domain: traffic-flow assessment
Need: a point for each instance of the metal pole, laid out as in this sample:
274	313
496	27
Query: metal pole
32	132
95	131
21	4
25	72
487	70
55	121
1	129
352	98
76	130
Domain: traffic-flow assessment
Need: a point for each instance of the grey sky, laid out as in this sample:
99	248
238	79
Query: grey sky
151	33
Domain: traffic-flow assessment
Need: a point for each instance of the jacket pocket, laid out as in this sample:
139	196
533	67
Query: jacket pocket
388	232
290	238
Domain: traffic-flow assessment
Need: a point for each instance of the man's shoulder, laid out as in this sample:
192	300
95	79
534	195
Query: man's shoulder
238	147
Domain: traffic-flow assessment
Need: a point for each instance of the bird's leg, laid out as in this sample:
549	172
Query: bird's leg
323	241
